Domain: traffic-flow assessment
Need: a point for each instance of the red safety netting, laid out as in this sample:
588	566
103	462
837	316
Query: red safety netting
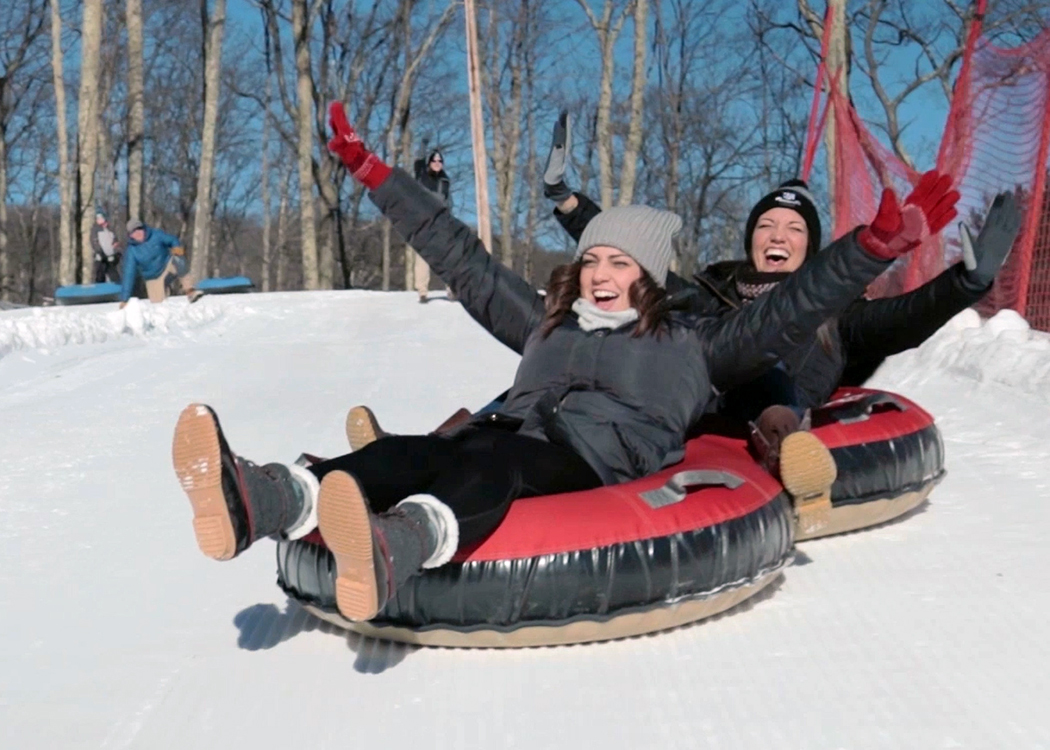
997	138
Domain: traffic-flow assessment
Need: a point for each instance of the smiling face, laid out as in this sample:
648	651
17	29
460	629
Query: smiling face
606	275
779	241
436	163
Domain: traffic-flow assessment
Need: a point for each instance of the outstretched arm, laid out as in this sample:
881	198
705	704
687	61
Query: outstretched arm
879	328
500	300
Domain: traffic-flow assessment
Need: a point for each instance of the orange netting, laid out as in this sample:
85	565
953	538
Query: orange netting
997	138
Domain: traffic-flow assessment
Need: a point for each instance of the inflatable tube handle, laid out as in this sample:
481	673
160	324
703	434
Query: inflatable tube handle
676	488
851	410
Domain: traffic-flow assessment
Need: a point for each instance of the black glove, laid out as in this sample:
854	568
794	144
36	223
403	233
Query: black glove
984	256
554	186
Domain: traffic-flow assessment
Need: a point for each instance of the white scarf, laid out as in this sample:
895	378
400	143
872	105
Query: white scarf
591	317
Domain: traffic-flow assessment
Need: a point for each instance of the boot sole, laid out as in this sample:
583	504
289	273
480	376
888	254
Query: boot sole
196	456
807	471
362	427
346	527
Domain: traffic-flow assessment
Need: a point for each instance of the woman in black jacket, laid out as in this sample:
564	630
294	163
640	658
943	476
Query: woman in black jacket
609	382
782	234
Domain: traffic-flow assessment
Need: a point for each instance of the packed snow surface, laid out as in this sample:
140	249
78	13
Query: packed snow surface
115	632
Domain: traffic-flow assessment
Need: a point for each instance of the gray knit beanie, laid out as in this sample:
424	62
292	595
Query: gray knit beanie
642	232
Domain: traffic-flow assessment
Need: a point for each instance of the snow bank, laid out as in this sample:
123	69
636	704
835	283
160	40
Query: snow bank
1002	350
53	327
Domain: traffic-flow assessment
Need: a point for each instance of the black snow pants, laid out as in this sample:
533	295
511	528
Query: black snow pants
477	473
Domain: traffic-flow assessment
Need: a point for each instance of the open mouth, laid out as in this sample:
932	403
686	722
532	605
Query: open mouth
605	299
776	257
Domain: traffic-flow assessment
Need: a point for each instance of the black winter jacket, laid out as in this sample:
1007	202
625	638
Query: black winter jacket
623	403
862	336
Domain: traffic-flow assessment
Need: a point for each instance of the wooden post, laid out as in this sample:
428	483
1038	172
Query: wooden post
477	128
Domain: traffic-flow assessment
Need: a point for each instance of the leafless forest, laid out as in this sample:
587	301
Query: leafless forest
206	118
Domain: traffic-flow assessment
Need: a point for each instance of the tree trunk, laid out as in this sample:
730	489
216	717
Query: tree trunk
282	234
837	66
608	31
265	170
212	70
409	253
136	107
505	116
634	132
304	95
87	126
67	263
477	128
6	277
531	174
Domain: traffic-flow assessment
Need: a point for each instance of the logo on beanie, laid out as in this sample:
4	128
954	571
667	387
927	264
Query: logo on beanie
789	198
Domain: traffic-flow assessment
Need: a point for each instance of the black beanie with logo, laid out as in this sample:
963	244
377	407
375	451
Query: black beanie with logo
793	194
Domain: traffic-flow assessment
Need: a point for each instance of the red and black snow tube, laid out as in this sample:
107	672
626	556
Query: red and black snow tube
889	455
673	548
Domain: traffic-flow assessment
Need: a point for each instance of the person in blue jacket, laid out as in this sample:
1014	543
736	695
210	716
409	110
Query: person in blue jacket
158	257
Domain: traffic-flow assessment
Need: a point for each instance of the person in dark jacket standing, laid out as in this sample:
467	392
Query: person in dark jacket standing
430	172
610	380
160	258
783	233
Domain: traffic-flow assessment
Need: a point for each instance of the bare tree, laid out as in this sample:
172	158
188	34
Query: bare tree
608	30
88	124
504	59
26	24
67	259
135	108
634	131
267	251
212	66
302	17
398	138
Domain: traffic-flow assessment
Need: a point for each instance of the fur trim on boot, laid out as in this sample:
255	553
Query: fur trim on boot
311	488
444	525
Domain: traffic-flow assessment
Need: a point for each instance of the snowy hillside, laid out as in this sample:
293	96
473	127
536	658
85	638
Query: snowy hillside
115	632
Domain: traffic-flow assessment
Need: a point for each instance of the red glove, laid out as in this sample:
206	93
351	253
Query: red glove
893	232
927	210
937	200
366	167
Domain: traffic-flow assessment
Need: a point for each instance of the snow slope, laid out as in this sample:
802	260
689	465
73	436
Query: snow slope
116	633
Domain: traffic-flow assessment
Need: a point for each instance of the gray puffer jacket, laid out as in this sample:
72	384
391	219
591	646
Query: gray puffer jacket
621	402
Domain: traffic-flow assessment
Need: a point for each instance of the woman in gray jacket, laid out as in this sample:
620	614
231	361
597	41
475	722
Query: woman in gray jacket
609	381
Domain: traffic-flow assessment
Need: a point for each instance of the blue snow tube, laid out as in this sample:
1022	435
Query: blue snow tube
86	294
227	285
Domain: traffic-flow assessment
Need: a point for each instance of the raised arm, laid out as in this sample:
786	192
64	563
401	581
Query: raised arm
875	329
573	210
500	300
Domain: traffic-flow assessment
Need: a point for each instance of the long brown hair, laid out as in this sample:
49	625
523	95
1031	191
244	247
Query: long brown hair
649	299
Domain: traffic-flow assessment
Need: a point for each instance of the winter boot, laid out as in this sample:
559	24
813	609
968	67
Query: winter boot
768	432
800	461
461	416
362	427
807	471
376	554
236	502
